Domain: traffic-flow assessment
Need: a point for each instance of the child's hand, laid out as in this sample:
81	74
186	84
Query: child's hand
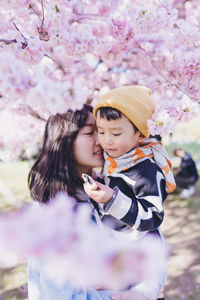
102	194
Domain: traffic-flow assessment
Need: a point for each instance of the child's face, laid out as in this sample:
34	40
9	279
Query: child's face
117	137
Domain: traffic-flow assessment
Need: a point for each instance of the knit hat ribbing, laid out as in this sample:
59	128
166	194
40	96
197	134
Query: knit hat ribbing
133	101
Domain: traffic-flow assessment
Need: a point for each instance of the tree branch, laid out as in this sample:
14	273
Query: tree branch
35	114
8	42
166	79
25	44
78	16
42	5
34	10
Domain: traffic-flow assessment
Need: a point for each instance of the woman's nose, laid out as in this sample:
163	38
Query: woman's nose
96	138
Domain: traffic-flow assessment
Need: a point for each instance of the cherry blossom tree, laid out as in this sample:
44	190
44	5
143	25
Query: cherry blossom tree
58	54
68	248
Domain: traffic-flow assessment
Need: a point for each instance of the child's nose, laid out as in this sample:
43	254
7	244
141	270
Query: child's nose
108	139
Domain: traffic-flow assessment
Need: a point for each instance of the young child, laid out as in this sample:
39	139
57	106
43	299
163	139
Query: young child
137	172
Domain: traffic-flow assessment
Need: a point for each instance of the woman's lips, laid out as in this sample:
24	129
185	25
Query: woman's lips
99	153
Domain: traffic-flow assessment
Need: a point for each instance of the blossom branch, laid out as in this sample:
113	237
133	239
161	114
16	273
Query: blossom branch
34	10
8	42
42	5
35	114
79	16
177	86
43	33
25	44
59	65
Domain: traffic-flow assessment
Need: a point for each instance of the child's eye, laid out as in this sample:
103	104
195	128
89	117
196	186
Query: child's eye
100	132
116	134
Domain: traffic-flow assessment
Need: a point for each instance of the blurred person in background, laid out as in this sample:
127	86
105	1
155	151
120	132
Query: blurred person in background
186	175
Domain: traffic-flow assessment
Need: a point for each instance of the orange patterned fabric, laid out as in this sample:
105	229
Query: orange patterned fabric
153	151
112	167
138	154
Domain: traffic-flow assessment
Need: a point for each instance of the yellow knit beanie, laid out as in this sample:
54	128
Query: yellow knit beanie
133	101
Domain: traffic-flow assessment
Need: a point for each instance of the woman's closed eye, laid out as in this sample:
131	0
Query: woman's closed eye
89	132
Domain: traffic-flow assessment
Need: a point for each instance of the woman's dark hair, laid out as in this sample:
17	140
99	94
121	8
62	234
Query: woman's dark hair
55	167
110	113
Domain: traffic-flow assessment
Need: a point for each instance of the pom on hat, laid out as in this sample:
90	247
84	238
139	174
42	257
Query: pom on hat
133	101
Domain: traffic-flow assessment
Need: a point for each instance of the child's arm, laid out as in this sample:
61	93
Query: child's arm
139	207
138	197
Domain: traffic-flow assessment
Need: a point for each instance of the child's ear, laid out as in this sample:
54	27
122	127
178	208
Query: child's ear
141	138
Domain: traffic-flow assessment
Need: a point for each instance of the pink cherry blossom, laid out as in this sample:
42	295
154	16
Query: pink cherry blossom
45	46
68	248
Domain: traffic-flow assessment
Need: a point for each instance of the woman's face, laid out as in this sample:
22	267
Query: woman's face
87	150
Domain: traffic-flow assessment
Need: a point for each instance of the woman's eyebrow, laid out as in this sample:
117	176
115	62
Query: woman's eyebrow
89	124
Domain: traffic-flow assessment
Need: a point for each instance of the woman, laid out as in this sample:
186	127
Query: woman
61	161
70	148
